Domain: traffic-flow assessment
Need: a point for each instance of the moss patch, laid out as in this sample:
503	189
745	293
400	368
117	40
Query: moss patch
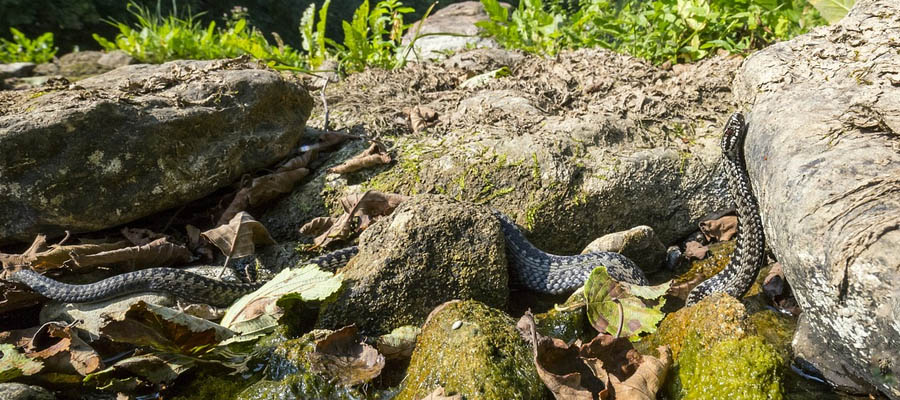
483	358
739	369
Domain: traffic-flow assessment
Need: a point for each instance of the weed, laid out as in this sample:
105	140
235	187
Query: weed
22	49
657	30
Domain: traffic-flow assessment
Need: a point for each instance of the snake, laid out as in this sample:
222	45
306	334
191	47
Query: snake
530	267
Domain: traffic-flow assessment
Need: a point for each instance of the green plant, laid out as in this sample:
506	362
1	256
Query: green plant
373	37
22	49
313	40
657	30
156	38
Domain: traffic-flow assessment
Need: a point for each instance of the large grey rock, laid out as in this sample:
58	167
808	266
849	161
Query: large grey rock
138	140
823	153
429	250
16	70
19	391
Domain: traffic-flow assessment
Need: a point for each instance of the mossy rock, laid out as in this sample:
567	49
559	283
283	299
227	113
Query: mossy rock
722	351
738	369
483	358
567	322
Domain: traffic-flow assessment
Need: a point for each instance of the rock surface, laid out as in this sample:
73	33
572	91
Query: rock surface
457	19
138	140
572	149
16	70
823	153
18	391
472	350
430	250
640	244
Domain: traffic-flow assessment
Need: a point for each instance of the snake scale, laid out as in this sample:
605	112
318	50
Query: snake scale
531	267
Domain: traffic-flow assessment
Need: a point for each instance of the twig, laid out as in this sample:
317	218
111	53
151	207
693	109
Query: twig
621	318
64	238
230	251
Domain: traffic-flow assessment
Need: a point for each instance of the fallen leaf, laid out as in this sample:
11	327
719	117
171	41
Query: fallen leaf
327	140
14	364
693	250
368	206
609	303
720	229
259	312
263	189
482	79
774	285
560	366
301	161
605	368
317	226
240	236
62	350
163	329
438	394
15	296
156	368
400	343
158	253
374	155
421	117
646	380
42	257
343	356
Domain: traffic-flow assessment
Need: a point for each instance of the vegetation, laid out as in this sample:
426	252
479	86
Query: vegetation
156	39
23	49
656	30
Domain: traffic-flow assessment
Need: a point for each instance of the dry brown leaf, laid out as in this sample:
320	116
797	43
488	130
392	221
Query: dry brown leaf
17	296
438	394
42	257
720	229
261	190
561	369
343	356
774	284
158	253
317	226
301	161
695	251
60	349
367	206
163	329
328	140
374	155
421	117
607	367
646	380
240	236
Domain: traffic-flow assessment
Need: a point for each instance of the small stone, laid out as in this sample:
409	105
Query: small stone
456	325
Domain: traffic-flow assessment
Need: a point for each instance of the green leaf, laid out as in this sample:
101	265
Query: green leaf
258	312
14	364
609	302
832	10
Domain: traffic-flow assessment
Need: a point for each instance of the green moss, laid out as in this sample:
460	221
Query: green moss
209	387
777	329
569	324
720	254
535	167
739	369
483	358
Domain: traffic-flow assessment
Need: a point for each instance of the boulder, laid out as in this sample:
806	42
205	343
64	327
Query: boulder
472	350
640	244
16	70
138	140
429	250
823	153
19	391
456	19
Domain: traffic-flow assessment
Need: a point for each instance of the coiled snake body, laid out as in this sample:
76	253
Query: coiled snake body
533	268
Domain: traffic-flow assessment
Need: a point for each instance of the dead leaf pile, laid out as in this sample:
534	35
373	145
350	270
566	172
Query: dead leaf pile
720	229
360	211
57	348
604	368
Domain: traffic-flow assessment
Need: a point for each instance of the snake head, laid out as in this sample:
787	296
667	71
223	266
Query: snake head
733	138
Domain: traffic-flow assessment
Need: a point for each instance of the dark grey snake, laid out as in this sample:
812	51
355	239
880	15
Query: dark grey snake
533	268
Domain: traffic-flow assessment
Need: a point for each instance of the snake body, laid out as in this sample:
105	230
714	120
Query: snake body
530	266
749	251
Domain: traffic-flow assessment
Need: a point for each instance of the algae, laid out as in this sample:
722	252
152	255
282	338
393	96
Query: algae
738	369
484	357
